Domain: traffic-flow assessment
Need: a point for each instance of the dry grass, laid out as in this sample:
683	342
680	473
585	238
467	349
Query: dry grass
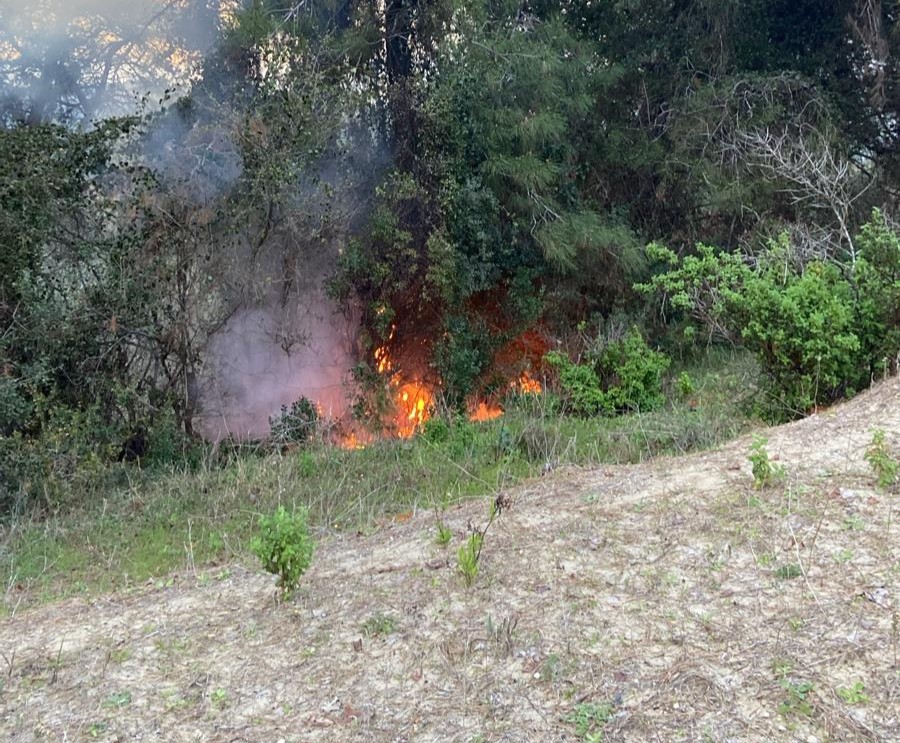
694	605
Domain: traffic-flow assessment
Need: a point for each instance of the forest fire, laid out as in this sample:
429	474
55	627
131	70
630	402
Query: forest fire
351	441
414	400
485	411
527	385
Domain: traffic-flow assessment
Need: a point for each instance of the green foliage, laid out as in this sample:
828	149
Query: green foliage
379	625
877	276
885	464
589	719
285	547
686	385
622	375
765	473
467	558
819	329
15	407
462	354
469	555
632	373
855	694
444	534
295	425
436	430
581	385
789	571
797	701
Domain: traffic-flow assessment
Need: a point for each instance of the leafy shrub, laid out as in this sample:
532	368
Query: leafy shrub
285	547
765	473
462	354
879	457
167	443
820	330
436	430
625	374
686	385
580	383
297	425
15	409
632	373
589	718
877	275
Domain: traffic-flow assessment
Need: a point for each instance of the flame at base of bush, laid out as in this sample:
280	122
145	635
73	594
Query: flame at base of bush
414	402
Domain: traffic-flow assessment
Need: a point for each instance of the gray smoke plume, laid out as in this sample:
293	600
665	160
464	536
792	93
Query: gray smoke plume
292	340
73	61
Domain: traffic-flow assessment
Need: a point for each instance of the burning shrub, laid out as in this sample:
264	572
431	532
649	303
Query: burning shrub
295	426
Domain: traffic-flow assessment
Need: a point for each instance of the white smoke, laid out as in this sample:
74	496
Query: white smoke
294	340
77	60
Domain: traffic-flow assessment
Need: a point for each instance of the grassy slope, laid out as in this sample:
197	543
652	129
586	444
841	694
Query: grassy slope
137	525
668	600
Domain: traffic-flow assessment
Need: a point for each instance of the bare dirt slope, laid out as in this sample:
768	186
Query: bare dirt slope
695	607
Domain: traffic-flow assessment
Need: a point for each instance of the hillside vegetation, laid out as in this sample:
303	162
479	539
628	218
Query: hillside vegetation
673	599
457	370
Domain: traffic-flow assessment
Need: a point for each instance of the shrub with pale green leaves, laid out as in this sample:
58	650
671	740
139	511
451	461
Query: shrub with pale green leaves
623	375
285	547
820	330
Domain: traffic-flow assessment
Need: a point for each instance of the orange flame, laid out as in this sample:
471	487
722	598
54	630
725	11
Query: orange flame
414	401
485	411
383	361
351	441
527	385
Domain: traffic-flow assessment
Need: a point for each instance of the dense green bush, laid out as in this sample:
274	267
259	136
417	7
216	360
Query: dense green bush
819	330
618	376
581	386
285	547
632	373
461	355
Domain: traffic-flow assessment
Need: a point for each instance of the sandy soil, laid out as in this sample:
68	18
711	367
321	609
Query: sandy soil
695	607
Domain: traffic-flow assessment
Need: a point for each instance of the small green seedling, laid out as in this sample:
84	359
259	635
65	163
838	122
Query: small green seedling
118	699
765	473
285	547
589	719
882	461
797	701
219	697
467	557
470	553
791	570
855	694
379	625
444	534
